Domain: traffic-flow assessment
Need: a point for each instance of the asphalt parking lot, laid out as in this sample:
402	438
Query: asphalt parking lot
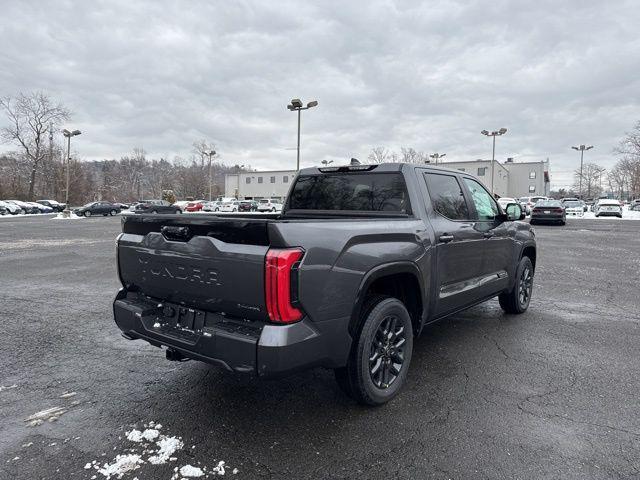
553	393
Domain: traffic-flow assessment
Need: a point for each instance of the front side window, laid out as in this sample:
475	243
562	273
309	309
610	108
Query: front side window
365	192
486	206
446	196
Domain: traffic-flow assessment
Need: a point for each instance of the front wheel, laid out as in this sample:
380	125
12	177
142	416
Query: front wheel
379	360
517	300
113	213
87	213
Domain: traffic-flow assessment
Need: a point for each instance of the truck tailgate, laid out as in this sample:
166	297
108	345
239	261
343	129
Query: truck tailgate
212	264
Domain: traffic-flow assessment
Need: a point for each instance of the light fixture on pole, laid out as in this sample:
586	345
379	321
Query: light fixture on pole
494	134
296	106
581	149
326	162
68	134
210	153
437	156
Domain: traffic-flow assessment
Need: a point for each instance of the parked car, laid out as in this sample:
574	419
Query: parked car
195	206
635	207
504	201
11	207
57	207
156	206
26	207
248	206
569	199
608	207
529	202
97	208
269	205
317	293
4	211
213	206
41	208
574	208
182	204
548	211
230	206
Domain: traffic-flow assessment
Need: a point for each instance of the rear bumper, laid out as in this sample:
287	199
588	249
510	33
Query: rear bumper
261	349
547	218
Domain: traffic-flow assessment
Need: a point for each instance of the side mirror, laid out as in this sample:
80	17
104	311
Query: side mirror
514	212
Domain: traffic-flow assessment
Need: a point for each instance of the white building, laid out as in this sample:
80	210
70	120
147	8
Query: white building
511	179
256	185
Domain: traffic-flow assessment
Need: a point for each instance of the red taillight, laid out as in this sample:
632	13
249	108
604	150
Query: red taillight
279	264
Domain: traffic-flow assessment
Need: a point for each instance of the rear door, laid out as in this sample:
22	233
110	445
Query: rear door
459	246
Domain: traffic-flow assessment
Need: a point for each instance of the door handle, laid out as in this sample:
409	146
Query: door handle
446	238
488	234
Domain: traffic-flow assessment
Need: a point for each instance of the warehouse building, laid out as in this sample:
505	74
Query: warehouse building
510	179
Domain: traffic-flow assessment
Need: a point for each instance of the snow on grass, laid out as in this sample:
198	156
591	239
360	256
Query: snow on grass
61	216
150	447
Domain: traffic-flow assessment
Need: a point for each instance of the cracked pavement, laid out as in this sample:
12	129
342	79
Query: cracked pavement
553	393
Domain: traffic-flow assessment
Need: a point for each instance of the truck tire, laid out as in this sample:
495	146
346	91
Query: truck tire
381	353
517	300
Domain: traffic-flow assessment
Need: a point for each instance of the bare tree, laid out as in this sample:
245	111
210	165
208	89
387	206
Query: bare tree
29	119
379	155
410	155
628	168
591	179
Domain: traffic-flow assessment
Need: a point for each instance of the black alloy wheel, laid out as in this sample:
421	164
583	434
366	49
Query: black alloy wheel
387	352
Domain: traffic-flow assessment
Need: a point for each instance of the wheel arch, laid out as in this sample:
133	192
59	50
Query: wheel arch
401	280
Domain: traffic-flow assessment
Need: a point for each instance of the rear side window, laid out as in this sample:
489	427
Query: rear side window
365	192
446	196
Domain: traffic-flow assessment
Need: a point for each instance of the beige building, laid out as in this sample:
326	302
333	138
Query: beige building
256	185
511	179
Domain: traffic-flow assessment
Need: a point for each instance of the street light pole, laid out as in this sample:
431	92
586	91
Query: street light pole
296	105
68	135
437	156
493	134
581	149
210	153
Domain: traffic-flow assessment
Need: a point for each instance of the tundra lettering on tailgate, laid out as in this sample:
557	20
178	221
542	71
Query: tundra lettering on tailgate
187	273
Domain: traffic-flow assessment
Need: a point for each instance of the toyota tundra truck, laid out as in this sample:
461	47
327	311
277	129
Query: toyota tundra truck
358	261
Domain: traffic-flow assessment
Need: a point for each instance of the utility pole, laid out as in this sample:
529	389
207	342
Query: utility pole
68	136
210	153
581	149
493	134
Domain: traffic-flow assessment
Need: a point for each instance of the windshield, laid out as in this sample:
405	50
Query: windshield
89	204
264	201
366	192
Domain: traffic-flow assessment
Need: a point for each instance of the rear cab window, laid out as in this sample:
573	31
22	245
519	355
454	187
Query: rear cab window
351	192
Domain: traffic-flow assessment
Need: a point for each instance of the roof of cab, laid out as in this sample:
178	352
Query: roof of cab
374	167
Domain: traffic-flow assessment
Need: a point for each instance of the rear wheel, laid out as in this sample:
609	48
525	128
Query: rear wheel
517	300
87	213
113	212
381	352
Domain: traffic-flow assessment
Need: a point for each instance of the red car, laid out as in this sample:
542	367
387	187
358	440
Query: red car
195	206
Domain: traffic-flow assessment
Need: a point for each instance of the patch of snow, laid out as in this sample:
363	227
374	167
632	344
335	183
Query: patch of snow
25	445
87	466
50	414
8	387
235	471
121	465
167	447
68	395
157	325
150	434
219	469
72	216
190	471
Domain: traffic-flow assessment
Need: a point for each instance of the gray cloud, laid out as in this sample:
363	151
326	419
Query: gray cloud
425	74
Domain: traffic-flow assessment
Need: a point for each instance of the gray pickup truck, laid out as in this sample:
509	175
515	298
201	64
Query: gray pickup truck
360	259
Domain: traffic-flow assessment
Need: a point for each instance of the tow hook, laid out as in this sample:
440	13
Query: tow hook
176	356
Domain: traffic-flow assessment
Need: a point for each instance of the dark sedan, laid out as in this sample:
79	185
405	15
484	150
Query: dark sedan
155	206
550	211
97	208
248	206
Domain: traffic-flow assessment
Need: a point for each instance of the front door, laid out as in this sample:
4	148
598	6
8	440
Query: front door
459	245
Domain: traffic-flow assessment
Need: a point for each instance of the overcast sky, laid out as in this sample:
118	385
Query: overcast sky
429	75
